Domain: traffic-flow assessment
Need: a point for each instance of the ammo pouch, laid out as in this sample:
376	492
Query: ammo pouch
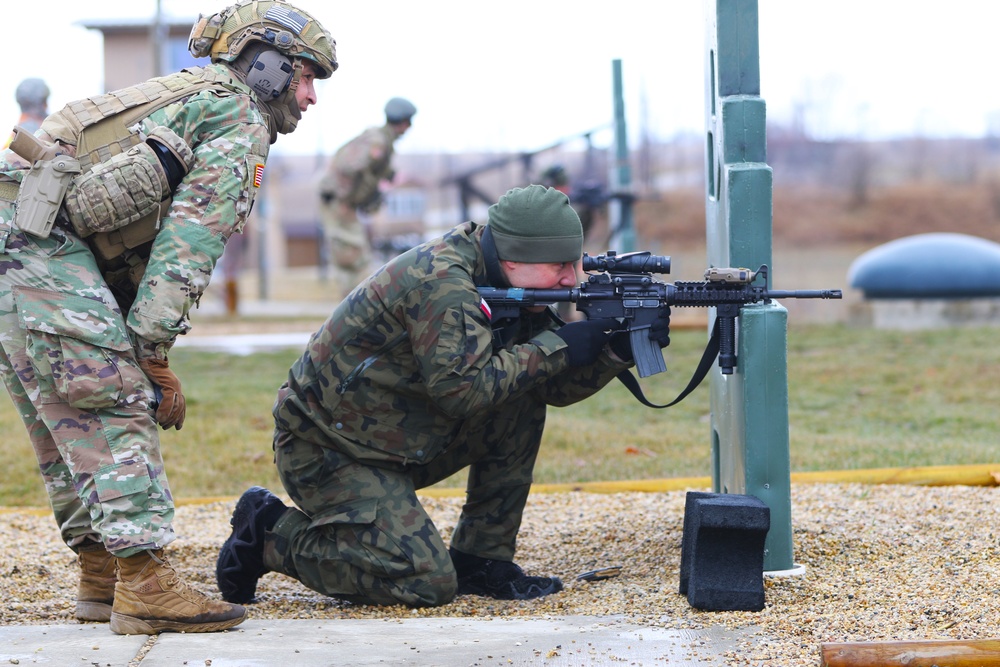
118	192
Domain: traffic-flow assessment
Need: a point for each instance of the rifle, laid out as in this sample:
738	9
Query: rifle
624	287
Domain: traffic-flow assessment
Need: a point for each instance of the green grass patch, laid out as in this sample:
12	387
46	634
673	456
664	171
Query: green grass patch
858	398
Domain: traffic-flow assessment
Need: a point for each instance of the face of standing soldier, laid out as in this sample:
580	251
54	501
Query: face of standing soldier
305	94
258	40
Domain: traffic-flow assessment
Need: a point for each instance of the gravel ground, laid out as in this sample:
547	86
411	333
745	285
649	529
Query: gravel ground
882	563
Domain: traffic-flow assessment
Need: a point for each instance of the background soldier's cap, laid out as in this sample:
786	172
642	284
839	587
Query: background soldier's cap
399	109
31	93
536	225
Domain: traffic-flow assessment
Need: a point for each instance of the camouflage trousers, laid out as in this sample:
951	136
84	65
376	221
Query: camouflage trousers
69	367
360	532
347	242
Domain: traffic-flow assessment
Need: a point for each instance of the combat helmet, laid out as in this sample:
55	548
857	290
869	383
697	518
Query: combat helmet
260	41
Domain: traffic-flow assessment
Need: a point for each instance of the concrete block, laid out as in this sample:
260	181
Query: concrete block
722	551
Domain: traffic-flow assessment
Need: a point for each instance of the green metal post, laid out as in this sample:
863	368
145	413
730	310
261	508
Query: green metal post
621	172
749	417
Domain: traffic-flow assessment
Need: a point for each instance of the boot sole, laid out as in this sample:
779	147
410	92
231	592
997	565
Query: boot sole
94	612
238	567
129	625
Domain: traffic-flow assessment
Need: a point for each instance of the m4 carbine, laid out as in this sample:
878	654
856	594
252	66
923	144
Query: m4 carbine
623	287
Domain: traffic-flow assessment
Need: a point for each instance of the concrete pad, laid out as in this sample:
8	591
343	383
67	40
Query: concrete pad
71	644
425	641
245	344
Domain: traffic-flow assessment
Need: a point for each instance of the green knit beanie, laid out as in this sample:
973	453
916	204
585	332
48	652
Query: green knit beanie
536	225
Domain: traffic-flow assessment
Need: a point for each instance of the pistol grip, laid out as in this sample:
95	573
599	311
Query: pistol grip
647	355
27	145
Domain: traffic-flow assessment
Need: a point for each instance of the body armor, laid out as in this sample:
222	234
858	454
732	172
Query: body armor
127	177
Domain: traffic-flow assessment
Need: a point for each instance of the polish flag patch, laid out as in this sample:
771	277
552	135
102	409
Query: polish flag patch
485	307
258	175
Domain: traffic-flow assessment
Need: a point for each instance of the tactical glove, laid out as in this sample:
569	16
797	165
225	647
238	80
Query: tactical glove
170	412
585	339
659	333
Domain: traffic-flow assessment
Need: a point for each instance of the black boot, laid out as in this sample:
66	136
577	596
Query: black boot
499	579
241	558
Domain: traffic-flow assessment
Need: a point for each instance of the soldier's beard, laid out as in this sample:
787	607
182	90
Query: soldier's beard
283	114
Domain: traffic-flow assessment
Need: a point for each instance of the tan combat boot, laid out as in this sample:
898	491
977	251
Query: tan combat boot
150	599
97	584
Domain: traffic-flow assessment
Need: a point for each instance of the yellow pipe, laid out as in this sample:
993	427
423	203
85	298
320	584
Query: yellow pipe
985	474
968	475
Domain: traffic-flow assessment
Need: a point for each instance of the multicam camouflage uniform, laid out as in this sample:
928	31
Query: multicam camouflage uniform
352	183
402	387
69	346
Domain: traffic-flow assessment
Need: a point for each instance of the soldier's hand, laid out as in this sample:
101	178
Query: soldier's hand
172	408
659	333
659	330
586	339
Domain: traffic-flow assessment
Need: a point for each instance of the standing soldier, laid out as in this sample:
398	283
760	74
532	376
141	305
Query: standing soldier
111	222
353	183
32	96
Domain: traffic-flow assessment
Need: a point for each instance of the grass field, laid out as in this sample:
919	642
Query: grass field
858	398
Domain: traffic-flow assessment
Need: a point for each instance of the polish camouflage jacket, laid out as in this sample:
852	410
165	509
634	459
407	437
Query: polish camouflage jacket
359	166
228	138
409	355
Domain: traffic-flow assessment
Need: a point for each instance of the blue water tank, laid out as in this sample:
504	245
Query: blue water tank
929	266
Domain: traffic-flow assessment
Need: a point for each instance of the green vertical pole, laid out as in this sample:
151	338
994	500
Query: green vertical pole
749	417
621	173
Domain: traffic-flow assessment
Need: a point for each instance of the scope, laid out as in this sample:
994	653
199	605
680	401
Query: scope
630	262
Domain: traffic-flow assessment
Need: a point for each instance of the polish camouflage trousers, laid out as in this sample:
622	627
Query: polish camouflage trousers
360	533
69	366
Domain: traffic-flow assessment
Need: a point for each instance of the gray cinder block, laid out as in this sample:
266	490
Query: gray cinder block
722	551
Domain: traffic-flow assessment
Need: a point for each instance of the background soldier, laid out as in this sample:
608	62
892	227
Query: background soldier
353	182
408	384
96	286
32	96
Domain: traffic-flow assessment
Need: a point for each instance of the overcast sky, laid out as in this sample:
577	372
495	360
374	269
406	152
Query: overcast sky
520	75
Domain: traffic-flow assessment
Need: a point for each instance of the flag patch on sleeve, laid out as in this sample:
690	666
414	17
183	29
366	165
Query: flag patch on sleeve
485	307
258	175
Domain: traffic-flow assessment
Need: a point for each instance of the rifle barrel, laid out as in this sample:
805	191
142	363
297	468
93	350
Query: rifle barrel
805	294
527	297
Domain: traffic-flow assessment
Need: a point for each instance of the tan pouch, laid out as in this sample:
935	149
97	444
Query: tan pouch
127	187
109	245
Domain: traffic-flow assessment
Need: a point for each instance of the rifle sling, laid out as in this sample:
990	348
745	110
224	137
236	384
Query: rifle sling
711	352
